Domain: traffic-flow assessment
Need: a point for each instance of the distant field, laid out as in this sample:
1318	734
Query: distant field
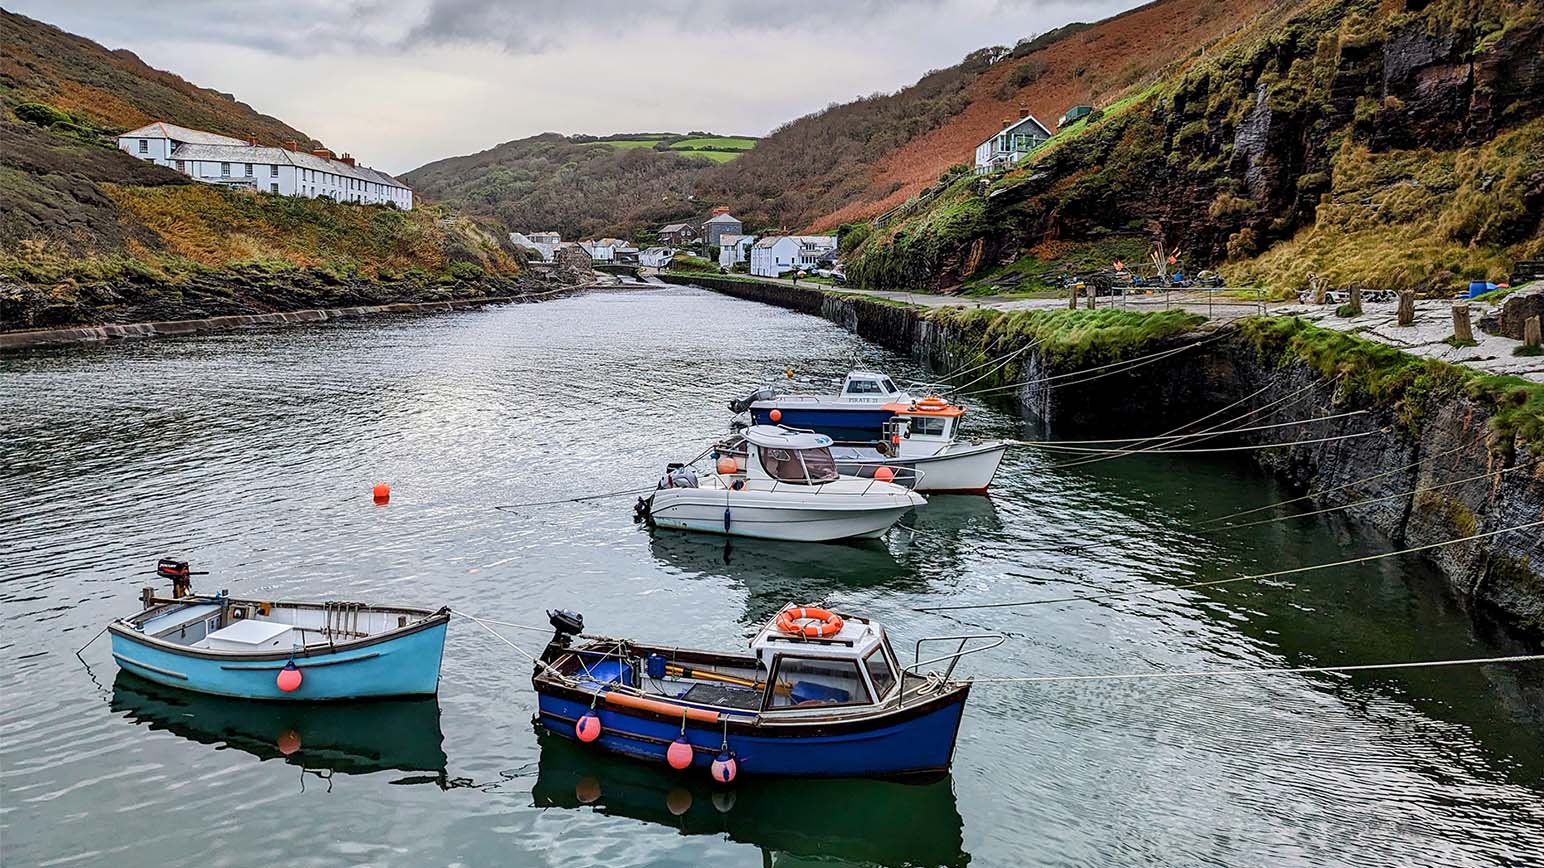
715	156
718	143
630	143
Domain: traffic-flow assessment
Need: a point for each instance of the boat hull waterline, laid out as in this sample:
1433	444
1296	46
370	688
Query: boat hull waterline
706	511
963	469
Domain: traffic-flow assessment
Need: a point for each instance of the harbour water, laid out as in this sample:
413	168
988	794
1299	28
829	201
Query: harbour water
253	455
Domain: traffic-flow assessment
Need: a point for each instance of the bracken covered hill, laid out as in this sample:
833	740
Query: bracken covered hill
1395	144
115	90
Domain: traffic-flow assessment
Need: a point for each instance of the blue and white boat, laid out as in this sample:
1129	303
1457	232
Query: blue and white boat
819	695
258	649
867	401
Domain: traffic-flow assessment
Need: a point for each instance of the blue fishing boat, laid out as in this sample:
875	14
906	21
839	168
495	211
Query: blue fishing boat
819	695
259	649
867	401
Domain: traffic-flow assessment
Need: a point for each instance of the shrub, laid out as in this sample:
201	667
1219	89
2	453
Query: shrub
41	114
463	270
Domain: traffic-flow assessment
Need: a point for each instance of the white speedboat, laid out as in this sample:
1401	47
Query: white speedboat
785	486
921	437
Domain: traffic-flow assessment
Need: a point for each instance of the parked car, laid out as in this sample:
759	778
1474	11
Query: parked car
1209	279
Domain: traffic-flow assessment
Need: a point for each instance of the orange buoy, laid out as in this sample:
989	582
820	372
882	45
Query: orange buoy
382	493
289	742
679	754
289	678
776	415
727	465
884	474
588	727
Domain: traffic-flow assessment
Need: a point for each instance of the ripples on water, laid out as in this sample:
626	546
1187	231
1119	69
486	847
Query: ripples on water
253	454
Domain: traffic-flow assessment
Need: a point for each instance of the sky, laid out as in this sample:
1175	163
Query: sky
400	83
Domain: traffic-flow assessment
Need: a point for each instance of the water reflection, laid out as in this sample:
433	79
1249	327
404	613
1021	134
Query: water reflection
351	738
791	821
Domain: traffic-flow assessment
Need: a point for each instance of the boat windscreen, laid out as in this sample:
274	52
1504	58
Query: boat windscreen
819	464
799	465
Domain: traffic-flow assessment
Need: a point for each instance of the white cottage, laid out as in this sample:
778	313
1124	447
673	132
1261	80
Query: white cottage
243	163
1010	144
656	257
734	249
777	255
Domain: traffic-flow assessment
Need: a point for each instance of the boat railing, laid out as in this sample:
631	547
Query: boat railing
989	641
806	487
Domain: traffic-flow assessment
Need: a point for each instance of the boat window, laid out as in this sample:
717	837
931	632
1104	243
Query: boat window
819	464
804	682
878	666
929	425
888	386
862	387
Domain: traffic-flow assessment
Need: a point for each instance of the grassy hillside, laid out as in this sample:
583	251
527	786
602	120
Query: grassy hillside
853	161
1369	141
581	186
115	90
88	232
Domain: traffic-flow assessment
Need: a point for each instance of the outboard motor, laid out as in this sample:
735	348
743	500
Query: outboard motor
765	393
565	625
179	574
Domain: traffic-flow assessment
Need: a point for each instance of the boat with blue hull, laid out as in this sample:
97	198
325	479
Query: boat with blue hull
866	402
257	649
819	695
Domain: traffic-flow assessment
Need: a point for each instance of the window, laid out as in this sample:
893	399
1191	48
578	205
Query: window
862	387
273	170
879	670
182	166
273	188
249	170
799	465
805	682
225	170
144	146
929	425
887	385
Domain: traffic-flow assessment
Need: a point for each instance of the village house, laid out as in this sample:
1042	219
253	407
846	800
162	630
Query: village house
1011	143
244	164
719	225
777	255
543	248
573	262
679	235
734	249
656	257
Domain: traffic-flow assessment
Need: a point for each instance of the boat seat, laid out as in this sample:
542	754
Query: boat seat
250	634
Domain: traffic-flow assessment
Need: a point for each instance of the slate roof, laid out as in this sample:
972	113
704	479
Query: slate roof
164	130
723	218
245	153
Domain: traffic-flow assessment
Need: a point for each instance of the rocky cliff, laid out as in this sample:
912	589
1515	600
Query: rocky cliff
1395	144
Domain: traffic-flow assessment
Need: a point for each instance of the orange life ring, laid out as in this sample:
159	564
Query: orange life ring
827	623
933	402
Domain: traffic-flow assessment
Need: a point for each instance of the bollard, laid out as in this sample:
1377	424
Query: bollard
1531	331
1356	300
1463	333
1407	307
1073	289
1093	293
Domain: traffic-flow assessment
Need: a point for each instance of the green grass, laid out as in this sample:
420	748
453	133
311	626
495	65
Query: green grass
715	156
1067	338
625	144
732	143
1378	375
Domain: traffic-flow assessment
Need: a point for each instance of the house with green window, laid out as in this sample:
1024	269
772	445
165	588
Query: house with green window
1011	143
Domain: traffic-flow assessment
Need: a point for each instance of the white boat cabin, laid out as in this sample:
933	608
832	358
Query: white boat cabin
854	666
870	387
923	429
782	455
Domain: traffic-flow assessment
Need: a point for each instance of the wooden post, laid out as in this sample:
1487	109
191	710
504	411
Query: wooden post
1407	307
1356	300
1093	294
1463	332
1073	290
1531	331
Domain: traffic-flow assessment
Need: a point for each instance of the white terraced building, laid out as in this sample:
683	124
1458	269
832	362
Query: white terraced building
287	170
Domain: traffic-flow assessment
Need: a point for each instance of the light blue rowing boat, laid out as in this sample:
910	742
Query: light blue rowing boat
257	649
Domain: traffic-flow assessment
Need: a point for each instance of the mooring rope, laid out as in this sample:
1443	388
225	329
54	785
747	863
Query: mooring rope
1212	583
1312	494
995	368
1288	424
1082	374
524	653
1400	495
1084	450
1205	434
1261	670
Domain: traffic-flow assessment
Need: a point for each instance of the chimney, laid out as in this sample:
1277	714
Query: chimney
346	159
1007	122
1023	112
291	145
323	153
252	140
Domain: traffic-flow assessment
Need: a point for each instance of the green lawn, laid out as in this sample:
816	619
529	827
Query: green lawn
731	143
